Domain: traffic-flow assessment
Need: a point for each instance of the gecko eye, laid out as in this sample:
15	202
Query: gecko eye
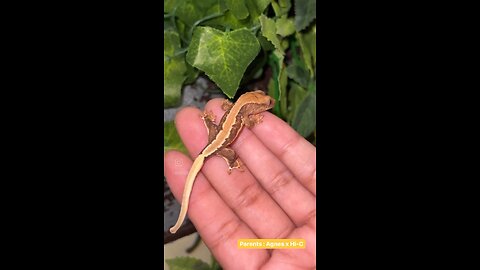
271	102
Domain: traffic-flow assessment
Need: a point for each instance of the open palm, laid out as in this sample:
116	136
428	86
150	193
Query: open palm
274	197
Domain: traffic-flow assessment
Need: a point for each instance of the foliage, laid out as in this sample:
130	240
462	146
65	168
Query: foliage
189	263
235	41
171	139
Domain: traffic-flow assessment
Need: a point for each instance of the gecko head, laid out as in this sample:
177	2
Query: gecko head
263	101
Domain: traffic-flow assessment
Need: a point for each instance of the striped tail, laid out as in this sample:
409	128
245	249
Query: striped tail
192	174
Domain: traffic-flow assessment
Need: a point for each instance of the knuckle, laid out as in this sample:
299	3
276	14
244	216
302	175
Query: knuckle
248	196
226	231
281	179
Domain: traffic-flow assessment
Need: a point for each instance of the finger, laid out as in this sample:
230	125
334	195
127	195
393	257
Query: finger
218	226
239	190
192	130
293	150
295	200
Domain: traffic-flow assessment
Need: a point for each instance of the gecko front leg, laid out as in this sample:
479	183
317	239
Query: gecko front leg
209	121
226	105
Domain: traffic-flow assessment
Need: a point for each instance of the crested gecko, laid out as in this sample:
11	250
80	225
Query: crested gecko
245	112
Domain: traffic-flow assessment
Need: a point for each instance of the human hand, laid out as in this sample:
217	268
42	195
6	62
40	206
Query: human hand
274	197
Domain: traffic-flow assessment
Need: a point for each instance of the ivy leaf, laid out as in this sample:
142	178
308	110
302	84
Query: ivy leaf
174	69
305	13
238	8
223	56
270	32
255	8
229	20
187	263
171	139
285	26
304	115
188	12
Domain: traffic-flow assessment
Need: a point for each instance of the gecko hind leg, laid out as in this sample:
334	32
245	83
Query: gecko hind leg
253	120
232	159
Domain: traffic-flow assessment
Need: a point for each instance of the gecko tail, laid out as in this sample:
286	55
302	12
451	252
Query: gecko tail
192	174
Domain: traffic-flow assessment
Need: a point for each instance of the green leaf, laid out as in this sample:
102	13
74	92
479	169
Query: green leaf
238	8
282	83
295	96
307	49
285	26
187	263
171	139
312	86
255	69
168	5
285	4
214	264
304	116
174	69
260	5
281	8
310	43
255	8
191	74
266	45
283	80
278	82
190	11
305	13
228	20
298	73
270	32
224	57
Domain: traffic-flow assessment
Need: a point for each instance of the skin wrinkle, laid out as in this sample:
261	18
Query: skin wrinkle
312	181
285	232
225	232
248	196
311	220
288	145
288	257
309	217
280	180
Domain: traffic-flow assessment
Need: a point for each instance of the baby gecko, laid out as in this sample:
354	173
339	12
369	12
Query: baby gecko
245	112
